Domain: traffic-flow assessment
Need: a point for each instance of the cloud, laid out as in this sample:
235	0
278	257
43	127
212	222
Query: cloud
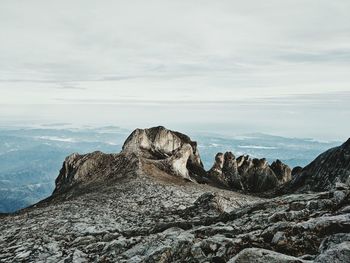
204	53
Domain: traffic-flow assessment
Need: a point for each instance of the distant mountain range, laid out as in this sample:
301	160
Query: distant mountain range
30	158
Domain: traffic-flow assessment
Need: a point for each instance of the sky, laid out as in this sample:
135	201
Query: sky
280	67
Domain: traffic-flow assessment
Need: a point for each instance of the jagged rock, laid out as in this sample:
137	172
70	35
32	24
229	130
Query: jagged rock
174	149
225	171
244	173
282	171
329	168
260	177
230	169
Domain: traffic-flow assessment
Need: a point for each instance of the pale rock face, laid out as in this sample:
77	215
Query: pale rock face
169	148
160	140
156	139
179	161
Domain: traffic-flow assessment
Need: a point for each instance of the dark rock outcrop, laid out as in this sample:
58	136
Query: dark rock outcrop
225	171
80	171
296	171
282	171
260	177
251	175
328	169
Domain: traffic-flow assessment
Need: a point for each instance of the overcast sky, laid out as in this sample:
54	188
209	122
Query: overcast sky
249	64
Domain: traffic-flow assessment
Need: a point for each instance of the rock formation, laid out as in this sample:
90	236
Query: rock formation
79	171
174	150
251	175
282	171
170	151
325	172
145	205
225	171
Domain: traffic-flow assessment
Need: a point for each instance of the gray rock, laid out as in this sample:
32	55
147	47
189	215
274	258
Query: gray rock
259	255
325	172
335	248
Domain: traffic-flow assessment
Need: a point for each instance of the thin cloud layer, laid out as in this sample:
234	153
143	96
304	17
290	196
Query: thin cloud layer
58	52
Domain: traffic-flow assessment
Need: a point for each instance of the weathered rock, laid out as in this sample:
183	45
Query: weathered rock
174	149
329	168
282	171
260	177
259	255
335	248
244	173
79	170
296	170
225	171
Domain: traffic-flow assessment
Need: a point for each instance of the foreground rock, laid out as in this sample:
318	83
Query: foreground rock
152	220
259	255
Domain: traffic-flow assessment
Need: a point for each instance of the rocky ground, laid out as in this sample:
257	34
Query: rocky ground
146	205
102	225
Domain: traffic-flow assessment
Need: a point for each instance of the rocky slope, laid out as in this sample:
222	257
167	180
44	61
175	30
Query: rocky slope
153	202
324	173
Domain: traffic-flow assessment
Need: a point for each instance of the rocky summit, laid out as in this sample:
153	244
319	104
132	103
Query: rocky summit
154	202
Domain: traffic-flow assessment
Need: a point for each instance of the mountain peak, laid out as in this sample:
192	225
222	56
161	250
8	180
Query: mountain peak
173	148
170	151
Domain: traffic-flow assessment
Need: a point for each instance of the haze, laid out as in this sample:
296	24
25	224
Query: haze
279	67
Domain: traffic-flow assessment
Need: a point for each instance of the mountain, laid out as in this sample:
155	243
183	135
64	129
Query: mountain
154	202
30	157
